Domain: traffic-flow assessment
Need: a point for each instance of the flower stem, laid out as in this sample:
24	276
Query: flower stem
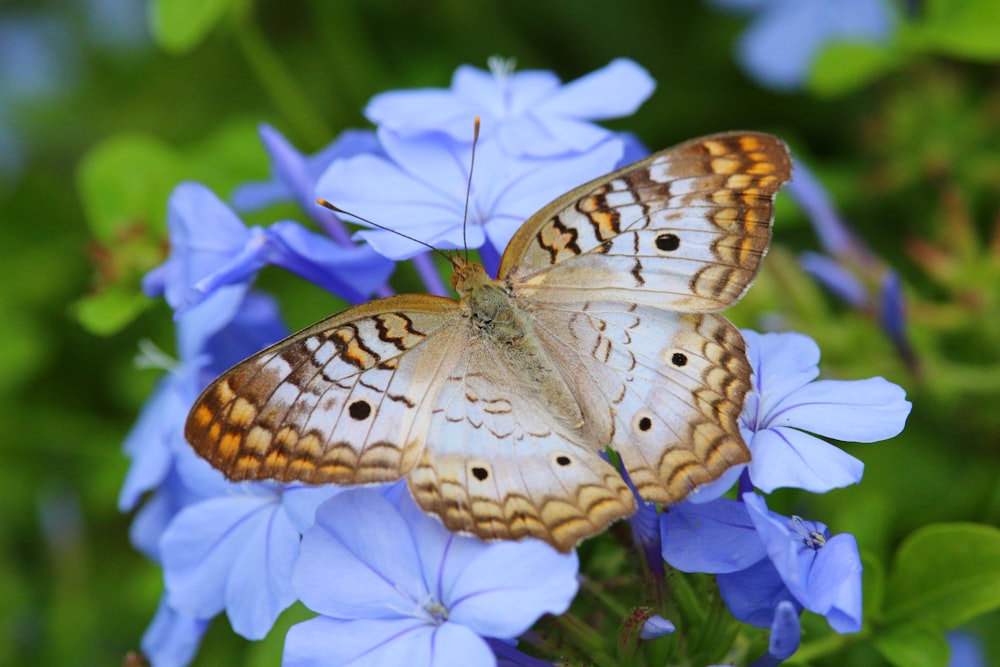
823	646
284	91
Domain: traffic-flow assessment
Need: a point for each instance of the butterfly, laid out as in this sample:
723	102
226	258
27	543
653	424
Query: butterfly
601	332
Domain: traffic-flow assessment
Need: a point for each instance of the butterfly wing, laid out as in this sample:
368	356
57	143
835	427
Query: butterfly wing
670	385
504	462
684	229
346	400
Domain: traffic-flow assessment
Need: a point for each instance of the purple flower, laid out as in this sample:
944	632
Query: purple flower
786	404
212	249
762	559
530	113
236	552
395	587
781	44
419	189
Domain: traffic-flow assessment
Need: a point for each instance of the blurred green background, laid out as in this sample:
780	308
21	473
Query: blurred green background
102	116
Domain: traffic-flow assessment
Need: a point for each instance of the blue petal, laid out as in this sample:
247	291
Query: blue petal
836	278
204	233
350	272
615	90
172	638
327	642
782	364
713	537
835	584
301	502
260	584
148	443
204	558
361	537
753	594
507	586
786	632
786	457
295	174
855	410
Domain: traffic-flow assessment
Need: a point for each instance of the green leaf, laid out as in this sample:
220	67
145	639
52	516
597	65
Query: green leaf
111	309
961	28
844	67
913	646
180	25
944	575
124	182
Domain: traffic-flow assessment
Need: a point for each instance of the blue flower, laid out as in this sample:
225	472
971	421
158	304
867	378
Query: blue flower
786	404
530	113
395	587
419	189
236	552
779	47
762	559
211	249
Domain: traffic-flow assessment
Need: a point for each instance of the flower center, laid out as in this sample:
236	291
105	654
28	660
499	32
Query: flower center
814	539
437	611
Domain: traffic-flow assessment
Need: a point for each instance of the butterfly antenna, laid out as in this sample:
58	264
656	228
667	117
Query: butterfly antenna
336	209
468	186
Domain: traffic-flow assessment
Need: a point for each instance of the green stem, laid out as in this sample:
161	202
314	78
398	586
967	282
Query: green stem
284	91
586	639
608	601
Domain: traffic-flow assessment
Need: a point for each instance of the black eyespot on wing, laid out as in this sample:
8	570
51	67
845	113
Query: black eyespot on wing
359	410
645	424
679	359
563	460
668	242
480	473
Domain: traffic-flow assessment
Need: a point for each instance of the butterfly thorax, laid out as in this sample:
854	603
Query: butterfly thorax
489	305
503	330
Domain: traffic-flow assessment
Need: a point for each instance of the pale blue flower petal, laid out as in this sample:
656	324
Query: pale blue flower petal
206	561
855	410
783	363
172	638
617	89
328	642
713	537
524	579
786	457
260	584
753	594
301	501
359	561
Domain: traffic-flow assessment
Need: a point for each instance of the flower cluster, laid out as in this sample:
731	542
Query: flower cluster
389	583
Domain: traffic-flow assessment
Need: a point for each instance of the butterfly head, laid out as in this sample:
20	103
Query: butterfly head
467	275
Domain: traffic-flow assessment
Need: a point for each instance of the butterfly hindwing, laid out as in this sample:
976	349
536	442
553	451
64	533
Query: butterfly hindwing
338	402
673	384
499	466
684	229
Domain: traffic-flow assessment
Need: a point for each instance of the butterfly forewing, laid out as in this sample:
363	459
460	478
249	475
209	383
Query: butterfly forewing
341	401
684	229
